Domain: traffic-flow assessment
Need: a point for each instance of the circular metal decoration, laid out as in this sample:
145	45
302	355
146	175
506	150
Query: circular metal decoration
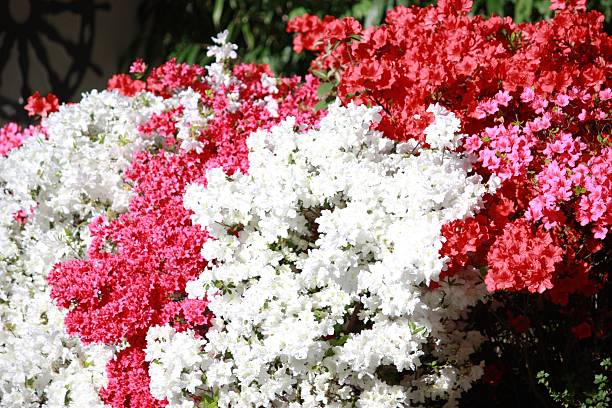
25	28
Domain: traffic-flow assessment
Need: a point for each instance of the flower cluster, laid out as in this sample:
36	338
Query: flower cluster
319	269
519	250
66	172
139	262
42	105
534	101
12	136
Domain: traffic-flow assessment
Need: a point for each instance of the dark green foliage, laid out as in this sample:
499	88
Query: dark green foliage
183	28
598	397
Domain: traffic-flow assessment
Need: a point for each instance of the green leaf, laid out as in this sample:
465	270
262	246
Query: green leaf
123	140
360	9
67	397
181	51
210	401
218	12
414	329
318	314
320	74
298	11
483	270
192	54
324	89
339	341
249	38
604	140
542	377
579	190
523	10
495	6
375	13
321	105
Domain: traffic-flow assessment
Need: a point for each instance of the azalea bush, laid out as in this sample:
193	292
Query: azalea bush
534	101
423	220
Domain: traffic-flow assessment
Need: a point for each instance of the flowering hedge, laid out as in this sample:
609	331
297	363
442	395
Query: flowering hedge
220	236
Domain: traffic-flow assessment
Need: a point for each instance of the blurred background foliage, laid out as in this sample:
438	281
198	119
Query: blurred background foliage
183	28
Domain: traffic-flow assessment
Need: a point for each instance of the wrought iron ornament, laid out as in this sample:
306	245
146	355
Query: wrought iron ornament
23	26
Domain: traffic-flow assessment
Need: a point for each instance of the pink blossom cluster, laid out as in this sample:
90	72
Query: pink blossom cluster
138	67
555	153
550	147
594	183
163	124
12	136
507	153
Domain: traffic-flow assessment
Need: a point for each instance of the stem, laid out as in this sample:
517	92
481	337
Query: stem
354	319
532	384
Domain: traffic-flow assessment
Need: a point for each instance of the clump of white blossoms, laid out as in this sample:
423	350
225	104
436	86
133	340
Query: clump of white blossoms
223	51
194	115
171	355
320	269
59	182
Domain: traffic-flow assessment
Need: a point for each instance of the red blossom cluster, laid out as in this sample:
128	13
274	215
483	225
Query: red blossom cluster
126	84
163	124
42	105
534	102
520	258
138	264
163	80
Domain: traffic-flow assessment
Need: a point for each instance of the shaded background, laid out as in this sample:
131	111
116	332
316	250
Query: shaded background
63	46
71	46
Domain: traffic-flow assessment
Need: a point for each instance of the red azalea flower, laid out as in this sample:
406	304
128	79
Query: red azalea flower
43	106
582	331
521	259
126	85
